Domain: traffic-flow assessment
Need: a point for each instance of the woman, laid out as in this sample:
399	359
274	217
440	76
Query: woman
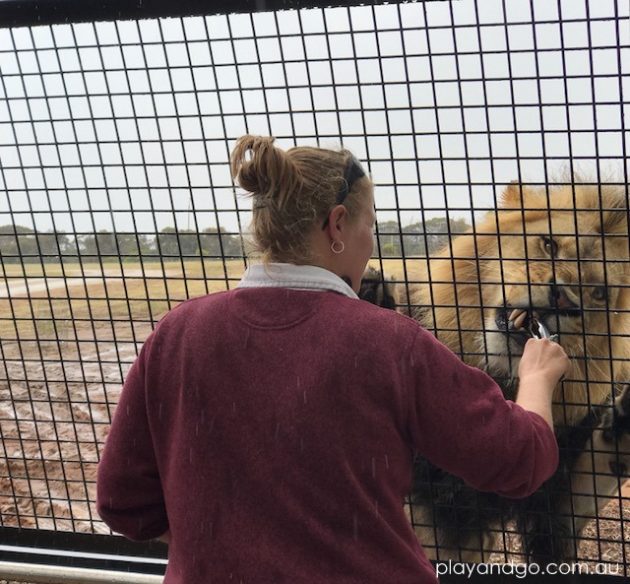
268	431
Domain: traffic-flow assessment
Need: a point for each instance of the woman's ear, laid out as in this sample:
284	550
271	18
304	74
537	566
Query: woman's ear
336	221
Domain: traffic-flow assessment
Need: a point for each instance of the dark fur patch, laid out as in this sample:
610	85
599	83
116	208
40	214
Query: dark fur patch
460	512
376	290
616	420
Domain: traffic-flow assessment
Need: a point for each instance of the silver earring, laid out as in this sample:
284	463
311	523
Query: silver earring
337	243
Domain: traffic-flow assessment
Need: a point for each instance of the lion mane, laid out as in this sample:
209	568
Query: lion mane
560	251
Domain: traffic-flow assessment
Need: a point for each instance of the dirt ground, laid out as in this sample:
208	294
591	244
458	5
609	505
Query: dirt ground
52	428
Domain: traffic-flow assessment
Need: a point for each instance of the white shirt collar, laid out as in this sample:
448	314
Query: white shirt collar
293	276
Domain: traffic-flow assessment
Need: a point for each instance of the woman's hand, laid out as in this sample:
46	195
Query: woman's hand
542	366
546	359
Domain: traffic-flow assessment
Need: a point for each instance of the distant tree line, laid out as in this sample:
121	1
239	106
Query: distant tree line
417	239
19	243
23	244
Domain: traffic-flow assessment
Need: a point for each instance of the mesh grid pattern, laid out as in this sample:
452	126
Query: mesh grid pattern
116	201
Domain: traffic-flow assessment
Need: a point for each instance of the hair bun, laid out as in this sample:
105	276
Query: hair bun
264	170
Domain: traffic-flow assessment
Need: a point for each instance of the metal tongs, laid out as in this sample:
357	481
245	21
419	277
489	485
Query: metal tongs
539	331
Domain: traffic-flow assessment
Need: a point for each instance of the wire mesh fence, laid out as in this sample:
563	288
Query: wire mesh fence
116	203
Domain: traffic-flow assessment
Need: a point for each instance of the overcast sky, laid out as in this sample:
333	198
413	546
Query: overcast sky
445	102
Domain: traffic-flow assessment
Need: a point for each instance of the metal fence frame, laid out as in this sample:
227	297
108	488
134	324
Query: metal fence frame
20	544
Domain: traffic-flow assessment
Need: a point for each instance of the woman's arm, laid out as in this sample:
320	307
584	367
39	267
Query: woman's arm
542	365
129	490
460	421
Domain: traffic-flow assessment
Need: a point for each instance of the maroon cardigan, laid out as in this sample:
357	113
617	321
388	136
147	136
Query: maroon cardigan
272	431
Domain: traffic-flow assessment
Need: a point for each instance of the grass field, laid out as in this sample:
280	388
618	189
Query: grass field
189	268
42	301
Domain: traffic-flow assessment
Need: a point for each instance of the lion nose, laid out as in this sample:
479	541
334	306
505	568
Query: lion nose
558	298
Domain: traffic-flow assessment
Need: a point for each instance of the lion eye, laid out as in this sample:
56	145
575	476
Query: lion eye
551	247
600	293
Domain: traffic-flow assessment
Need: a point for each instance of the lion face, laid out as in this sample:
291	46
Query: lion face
559	255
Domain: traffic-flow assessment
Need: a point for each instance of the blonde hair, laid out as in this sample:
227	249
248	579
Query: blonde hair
292	191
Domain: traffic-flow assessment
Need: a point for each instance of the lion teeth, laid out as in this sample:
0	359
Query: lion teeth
520	319
514	313
517	318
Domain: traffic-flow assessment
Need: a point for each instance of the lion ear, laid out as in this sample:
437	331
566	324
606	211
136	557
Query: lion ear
512	196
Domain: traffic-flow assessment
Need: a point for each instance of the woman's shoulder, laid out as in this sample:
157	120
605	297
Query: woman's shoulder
380	320
194	308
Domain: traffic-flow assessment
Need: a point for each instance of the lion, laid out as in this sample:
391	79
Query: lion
562	253
558	256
